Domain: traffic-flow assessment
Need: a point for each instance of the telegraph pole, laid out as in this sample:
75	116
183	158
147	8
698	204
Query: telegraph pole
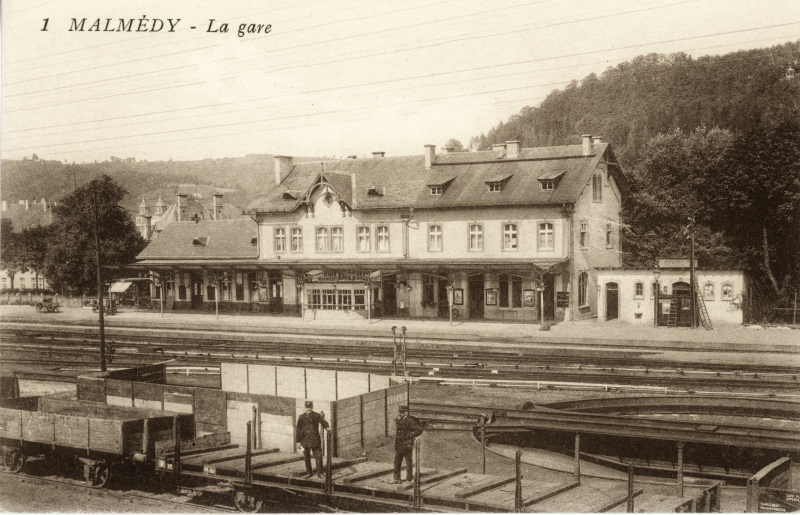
99	282
692	297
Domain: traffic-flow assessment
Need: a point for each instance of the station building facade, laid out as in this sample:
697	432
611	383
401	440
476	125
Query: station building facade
508	234
660	296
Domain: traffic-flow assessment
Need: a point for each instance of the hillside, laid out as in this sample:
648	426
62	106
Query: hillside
634	101
239	178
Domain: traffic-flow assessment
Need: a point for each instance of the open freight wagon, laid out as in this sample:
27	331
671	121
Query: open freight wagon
101	437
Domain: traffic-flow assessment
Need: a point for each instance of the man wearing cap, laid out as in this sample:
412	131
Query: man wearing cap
408	428
308	437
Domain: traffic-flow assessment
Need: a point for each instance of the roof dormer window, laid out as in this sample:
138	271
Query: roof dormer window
376	191
200	241
496	183
437	185
549	181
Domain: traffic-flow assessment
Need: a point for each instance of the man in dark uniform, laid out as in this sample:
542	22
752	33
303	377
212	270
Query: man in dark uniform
408	428
308	437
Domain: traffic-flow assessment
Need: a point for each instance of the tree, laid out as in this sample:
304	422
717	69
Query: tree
455	145
670	185
32	250
9	250
757	198
70	260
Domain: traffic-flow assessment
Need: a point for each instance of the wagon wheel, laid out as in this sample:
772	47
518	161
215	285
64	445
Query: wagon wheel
15	460
248	501
97	475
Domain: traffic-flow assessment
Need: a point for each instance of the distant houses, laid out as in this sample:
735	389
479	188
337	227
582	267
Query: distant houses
24	214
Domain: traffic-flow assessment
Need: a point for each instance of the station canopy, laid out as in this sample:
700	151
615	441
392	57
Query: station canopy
120	287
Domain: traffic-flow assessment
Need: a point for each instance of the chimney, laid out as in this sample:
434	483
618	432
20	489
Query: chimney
44	205
182	204
512	149
283	165
378	155
352	156
27	204
5	206
587	144
499	147
216	206
430	156
597	140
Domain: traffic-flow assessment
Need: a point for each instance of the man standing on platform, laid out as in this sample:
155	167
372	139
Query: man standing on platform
308	437
408	428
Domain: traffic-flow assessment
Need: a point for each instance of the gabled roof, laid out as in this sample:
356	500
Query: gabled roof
406	179
229	239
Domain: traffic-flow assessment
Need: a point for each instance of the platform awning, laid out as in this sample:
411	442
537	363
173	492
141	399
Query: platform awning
535	265
120	287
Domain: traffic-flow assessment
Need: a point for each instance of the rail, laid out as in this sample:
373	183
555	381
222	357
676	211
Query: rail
512	383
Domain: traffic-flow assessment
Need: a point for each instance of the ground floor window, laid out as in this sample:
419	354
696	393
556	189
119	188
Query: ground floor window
510	291
339	298
583	289
239	286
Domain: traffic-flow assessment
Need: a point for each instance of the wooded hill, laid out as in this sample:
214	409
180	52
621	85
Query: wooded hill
240	179
715	138
656	93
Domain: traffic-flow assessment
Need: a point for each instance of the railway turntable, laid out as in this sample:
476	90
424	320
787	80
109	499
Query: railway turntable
259	475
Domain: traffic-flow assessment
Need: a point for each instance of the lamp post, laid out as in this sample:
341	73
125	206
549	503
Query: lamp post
367	299
450	301
656	295
540	289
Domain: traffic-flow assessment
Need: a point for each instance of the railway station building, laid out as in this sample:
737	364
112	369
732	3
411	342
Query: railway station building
660	296
508	234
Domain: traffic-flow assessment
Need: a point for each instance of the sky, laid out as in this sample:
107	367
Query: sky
327	78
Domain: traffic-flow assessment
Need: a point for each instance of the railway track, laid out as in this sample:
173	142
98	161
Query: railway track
124	355
126	494
76	346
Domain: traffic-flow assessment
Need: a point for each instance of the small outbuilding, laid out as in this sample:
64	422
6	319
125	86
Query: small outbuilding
662	295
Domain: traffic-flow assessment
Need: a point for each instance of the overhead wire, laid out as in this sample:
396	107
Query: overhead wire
405	88
335	61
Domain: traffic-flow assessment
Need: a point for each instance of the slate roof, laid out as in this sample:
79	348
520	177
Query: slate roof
406	179
22	218
226	239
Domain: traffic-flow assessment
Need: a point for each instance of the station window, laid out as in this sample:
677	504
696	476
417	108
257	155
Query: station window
435	238
583	289
239	286
475	237
427	290
280	239
609	236
210	292
597	187
297	239
337	239
509	236
510	294
584	235
546	236
363	239
382	233
638	290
